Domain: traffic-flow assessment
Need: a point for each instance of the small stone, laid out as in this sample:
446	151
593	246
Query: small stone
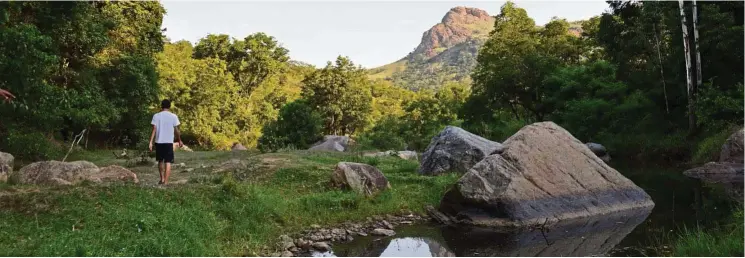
387	224
338	231
406	222
376	217
383	232
321	246
316	238
349	238
315	226
369	220
287	254
390	217
293	249
287	245
275	255
361	233
188	170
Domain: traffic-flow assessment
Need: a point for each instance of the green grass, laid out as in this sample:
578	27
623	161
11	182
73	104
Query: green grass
223	217
723	241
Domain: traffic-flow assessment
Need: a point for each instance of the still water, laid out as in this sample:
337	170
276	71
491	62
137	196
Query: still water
679	202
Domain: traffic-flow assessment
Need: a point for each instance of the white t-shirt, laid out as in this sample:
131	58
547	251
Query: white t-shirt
164	123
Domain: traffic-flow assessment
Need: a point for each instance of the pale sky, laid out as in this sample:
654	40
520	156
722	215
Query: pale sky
371	33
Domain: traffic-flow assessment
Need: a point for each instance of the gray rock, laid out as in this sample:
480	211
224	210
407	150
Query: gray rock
409	155
457	150
70	173
286	242
287	254
6	166
321	246
387	224
332	143
436	215
361	233
361	178
382	232
238	147
599	151
732	150
543	176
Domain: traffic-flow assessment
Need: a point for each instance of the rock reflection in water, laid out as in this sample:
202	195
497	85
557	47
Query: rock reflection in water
586	237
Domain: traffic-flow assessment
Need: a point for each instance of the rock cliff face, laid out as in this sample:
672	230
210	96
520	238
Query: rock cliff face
457	26
447	51
544	175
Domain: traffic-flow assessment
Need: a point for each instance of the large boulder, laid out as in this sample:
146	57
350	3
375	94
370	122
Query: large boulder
70	173
6	166
732	150
361	178
332	143
599	151
544	175
238	147
55	172
455	149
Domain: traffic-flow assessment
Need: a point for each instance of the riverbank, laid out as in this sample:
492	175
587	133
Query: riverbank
238	213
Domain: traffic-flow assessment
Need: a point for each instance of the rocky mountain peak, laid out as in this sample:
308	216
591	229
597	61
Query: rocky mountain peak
458	25
463	15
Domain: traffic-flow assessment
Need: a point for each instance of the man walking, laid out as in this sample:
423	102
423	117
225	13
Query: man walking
165	124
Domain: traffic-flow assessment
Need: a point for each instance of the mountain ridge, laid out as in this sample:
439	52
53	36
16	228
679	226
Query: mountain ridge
447	51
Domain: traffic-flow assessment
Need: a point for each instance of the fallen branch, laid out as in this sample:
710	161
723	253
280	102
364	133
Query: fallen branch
75	140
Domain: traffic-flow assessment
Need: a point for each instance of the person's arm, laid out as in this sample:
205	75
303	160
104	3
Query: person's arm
152	137
178	132
6	95
178	136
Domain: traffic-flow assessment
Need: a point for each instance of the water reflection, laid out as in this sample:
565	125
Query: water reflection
587	237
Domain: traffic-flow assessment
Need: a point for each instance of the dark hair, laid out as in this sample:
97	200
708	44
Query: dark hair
165	104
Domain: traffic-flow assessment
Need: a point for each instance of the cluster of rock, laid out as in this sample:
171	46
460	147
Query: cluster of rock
728	170
541	174
408	155
320	239
332	143
70	173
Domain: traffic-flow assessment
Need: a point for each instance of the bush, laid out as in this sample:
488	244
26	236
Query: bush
31	146
386	135
710	146
298	125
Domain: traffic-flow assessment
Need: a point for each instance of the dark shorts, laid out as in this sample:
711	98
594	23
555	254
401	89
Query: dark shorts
164	152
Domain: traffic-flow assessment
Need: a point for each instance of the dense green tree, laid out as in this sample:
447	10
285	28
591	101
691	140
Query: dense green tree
341	94
298	126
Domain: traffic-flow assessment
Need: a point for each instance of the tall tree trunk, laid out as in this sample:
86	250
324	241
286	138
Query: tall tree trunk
699	79
689	73
662	69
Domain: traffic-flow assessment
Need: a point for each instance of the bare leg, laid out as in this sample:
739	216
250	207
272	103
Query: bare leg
161	170
168	173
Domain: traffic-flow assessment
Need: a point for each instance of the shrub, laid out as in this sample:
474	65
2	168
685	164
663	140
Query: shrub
31	146
298	125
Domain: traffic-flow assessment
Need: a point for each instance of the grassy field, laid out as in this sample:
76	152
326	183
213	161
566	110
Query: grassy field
234	213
